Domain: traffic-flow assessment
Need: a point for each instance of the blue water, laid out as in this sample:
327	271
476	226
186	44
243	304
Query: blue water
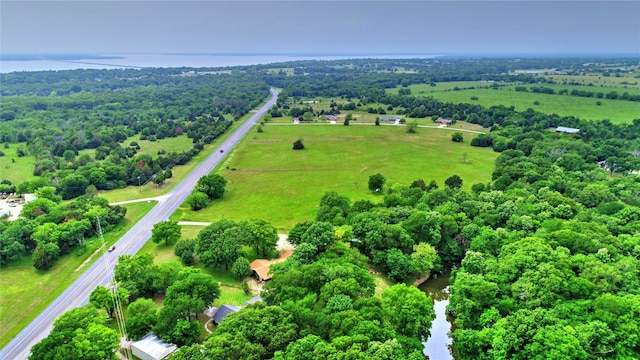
167	60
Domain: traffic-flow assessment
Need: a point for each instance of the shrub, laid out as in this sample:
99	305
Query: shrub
198	200
240	268
298	145
376	182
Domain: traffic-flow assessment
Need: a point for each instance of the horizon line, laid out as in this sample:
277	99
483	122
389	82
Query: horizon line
293	53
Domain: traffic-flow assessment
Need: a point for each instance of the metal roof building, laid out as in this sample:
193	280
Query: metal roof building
252	300
151	347
567	130
223	311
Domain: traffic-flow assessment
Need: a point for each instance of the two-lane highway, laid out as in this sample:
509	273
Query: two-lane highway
100	272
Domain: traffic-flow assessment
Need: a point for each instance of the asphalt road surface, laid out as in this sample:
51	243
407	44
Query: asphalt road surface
101	271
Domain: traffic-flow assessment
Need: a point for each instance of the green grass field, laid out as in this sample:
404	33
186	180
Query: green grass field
179	172
177	144
13	168
630	81
275	183
617	111
26	292
426	89
231	295
594	89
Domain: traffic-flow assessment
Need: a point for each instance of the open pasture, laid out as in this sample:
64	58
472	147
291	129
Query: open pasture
631	81
617	111
593	88
177	144
269	180
13	168
426	89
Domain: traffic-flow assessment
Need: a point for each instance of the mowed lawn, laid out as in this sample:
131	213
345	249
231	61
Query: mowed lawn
269	180
26	292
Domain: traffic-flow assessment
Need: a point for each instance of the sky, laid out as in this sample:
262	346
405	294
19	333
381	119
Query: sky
320	27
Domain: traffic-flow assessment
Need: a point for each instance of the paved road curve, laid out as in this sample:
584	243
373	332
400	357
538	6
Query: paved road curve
100	272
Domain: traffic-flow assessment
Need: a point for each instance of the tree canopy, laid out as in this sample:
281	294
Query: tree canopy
167	232
80	333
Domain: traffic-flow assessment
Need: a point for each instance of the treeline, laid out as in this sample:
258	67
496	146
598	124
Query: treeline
349	78
48	228
613	95
555	270
329	83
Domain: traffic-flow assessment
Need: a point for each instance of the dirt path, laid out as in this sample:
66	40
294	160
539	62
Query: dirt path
84	263
157	198
195	223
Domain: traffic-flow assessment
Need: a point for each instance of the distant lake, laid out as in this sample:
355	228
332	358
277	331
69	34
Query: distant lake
166	61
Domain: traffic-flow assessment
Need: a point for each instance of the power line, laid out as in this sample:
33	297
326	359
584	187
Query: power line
117	304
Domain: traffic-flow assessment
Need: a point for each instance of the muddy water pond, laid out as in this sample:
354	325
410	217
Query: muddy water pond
438	346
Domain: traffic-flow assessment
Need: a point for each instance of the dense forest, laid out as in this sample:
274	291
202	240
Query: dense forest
55	115
545	258
48	228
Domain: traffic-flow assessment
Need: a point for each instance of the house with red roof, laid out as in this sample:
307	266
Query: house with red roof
261	266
